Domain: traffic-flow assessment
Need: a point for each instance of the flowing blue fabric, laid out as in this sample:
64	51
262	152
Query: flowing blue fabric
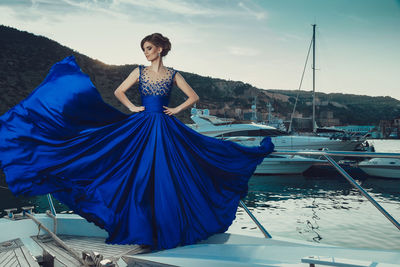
146	178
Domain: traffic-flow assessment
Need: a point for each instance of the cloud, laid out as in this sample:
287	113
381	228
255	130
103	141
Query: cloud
205	14
353	18
186	8
257	14
242	51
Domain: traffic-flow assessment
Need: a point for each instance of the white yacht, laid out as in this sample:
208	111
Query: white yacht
280	164
251	134
217	127
285	164
381	167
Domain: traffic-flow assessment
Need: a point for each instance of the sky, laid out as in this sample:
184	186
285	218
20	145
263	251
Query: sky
260	42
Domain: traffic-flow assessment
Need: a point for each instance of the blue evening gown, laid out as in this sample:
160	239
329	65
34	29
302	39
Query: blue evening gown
146	178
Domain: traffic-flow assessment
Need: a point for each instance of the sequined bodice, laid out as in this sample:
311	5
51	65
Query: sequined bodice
155	90
150	84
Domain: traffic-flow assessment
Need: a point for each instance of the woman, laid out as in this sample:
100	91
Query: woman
156	46
146	178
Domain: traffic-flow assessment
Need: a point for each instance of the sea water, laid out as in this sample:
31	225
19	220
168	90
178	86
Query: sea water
325	209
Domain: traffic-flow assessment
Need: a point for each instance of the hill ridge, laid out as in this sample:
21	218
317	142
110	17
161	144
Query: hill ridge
26	59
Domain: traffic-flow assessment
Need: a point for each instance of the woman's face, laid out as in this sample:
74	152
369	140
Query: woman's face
151	51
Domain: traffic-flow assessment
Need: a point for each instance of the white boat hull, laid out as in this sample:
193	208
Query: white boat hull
285	165
381	167
254	133
299	142
381	171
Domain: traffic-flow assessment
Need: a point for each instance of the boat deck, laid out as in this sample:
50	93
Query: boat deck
80	244
14	254
20	240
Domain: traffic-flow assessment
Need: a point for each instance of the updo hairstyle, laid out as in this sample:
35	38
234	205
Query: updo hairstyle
159	40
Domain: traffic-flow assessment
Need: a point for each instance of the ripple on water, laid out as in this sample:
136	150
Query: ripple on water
324	210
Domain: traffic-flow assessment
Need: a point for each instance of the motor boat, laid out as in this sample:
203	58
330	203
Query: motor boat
251	134
221	128
381	167
280	164
285	164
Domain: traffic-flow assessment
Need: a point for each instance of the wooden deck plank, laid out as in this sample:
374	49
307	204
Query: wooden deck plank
92	240
96	244
29	257
2	256
98	241
20	257
103	250
12	261
6	257
99	246
132	261
16	263
61	256
12	254
106	253
81	243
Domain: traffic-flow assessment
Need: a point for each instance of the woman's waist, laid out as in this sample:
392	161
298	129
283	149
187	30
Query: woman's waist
154	103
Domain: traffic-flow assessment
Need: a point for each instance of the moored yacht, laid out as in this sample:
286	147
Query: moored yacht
381	167
213	126
284	164
280	164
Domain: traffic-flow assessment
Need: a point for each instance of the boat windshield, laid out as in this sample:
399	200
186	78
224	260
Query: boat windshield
255	132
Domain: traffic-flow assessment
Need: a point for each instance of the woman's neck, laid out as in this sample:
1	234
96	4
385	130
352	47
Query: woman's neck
157	65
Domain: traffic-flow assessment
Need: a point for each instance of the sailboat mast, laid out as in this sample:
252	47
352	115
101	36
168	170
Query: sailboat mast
313	67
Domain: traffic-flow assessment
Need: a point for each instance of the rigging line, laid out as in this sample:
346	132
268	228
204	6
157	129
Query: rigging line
298	90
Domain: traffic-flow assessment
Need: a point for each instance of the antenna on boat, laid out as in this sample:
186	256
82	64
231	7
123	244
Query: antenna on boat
313	67
298	90
270	109
254	109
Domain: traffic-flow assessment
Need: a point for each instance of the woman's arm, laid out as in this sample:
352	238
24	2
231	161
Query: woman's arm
124	86
191	94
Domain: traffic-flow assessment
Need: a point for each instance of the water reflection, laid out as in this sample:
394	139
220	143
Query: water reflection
298	186
326	209
8	200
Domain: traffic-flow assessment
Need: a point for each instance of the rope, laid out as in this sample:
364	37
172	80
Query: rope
298	90
89	258
57	239
39	226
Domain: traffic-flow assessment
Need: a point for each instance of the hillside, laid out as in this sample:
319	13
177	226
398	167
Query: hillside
26	58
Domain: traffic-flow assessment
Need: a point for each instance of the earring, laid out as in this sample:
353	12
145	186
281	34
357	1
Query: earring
159	54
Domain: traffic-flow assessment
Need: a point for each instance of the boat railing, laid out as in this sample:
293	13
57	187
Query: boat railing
51	204
328	155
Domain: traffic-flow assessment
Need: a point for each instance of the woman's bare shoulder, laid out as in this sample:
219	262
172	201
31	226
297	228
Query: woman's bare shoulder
135	72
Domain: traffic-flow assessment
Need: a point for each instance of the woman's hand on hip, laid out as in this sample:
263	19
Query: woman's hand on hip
136	109
171	111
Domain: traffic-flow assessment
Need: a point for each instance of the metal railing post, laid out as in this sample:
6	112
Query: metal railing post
52	209
327	155
362	191
262	229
